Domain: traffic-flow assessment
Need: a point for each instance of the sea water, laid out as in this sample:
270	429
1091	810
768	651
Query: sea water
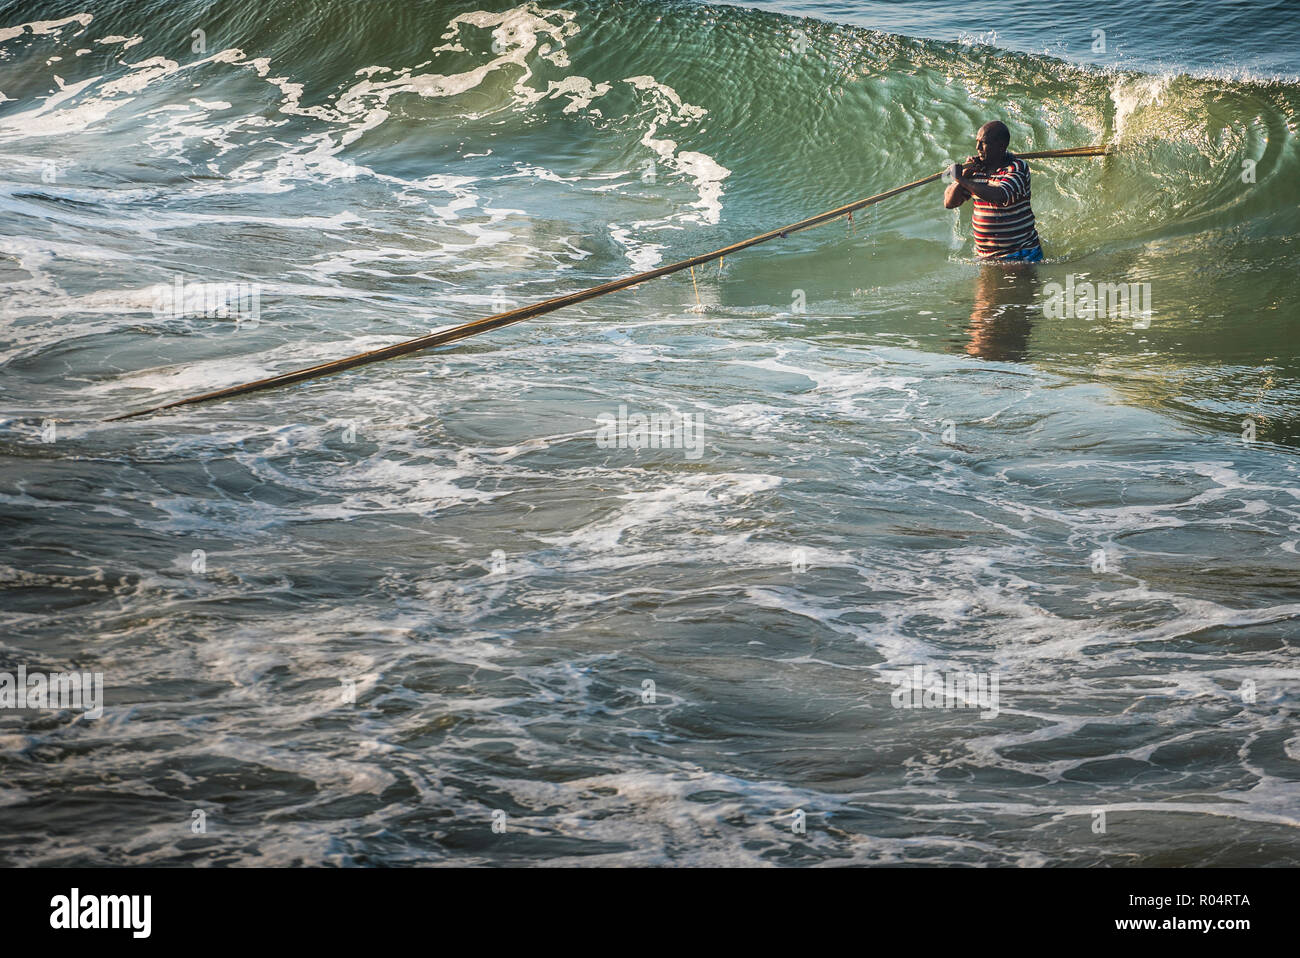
845	550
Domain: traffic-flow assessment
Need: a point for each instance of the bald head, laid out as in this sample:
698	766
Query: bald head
991	143
995	131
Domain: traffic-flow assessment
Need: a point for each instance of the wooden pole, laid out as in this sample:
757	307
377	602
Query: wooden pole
474	327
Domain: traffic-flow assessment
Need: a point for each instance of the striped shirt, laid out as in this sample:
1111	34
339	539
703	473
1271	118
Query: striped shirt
1007	226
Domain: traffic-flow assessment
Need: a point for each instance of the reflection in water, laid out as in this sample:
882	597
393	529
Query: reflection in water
1005	296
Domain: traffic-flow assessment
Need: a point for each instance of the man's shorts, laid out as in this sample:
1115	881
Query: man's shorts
1034	255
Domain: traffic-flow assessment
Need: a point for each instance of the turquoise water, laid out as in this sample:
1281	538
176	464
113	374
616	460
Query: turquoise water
896	457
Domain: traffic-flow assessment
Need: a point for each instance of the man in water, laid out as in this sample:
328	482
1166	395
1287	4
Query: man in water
999	182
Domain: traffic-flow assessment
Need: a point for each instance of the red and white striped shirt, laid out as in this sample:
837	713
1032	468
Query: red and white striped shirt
1007	226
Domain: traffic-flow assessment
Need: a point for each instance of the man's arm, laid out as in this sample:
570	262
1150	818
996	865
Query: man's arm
956	194
990	194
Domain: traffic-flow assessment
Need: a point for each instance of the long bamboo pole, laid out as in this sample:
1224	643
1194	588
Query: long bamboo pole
474	327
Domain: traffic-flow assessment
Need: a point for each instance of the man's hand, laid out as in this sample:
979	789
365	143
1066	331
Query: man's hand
960	176
962	188
968	167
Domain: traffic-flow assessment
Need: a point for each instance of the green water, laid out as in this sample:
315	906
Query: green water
904	458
